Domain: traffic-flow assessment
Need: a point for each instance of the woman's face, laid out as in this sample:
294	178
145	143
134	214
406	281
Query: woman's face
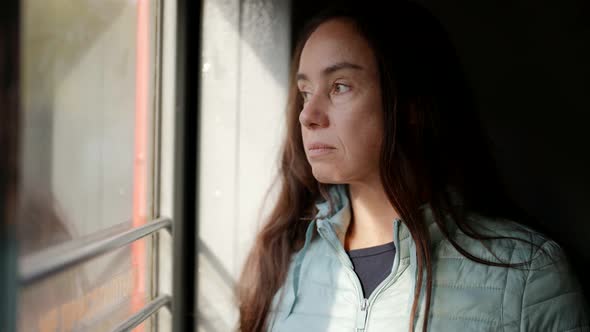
341	119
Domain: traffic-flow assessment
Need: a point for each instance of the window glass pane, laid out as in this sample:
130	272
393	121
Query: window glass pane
87	139
94	296
87	97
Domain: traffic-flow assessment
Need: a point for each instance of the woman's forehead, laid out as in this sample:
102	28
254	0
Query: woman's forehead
333	42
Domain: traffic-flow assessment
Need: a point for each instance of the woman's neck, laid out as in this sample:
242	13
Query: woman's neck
371	218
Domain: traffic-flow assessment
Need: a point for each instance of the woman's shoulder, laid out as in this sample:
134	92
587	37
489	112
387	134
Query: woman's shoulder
511	241
544	288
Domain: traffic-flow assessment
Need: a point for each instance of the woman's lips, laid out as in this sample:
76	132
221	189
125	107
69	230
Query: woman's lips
319	149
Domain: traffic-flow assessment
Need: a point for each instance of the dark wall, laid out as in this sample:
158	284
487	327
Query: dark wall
529	65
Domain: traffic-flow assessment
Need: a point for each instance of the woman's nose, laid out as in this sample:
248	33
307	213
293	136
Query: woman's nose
313	115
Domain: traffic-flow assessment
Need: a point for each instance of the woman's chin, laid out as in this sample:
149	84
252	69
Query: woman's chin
328	177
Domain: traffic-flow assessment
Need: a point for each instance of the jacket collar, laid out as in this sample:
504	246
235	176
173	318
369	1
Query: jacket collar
339	216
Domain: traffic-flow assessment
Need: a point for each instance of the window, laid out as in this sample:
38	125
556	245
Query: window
102	128
88	142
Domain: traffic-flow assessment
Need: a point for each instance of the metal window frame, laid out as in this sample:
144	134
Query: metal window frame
143	314
186	168
42	265
46	263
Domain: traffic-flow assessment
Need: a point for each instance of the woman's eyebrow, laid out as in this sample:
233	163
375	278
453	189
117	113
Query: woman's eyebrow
331	69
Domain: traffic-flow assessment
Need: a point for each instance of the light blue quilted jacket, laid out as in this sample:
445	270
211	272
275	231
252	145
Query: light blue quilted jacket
322	292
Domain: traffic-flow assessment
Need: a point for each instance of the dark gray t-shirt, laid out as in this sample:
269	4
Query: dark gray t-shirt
372	265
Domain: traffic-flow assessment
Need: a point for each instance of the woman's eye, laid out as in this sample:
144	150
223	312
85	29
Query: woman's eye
304	95
341	88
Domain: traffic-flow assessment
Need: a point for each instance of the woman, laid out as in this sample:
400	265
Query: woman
390	216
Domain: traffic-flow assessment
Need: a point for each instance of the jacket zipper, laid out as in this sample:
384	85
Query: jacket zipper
391	278
361	320
365	304
362	313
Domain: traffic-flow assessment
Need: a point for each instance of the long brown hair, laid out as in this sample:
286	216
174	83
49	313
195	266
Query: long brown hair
433	142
